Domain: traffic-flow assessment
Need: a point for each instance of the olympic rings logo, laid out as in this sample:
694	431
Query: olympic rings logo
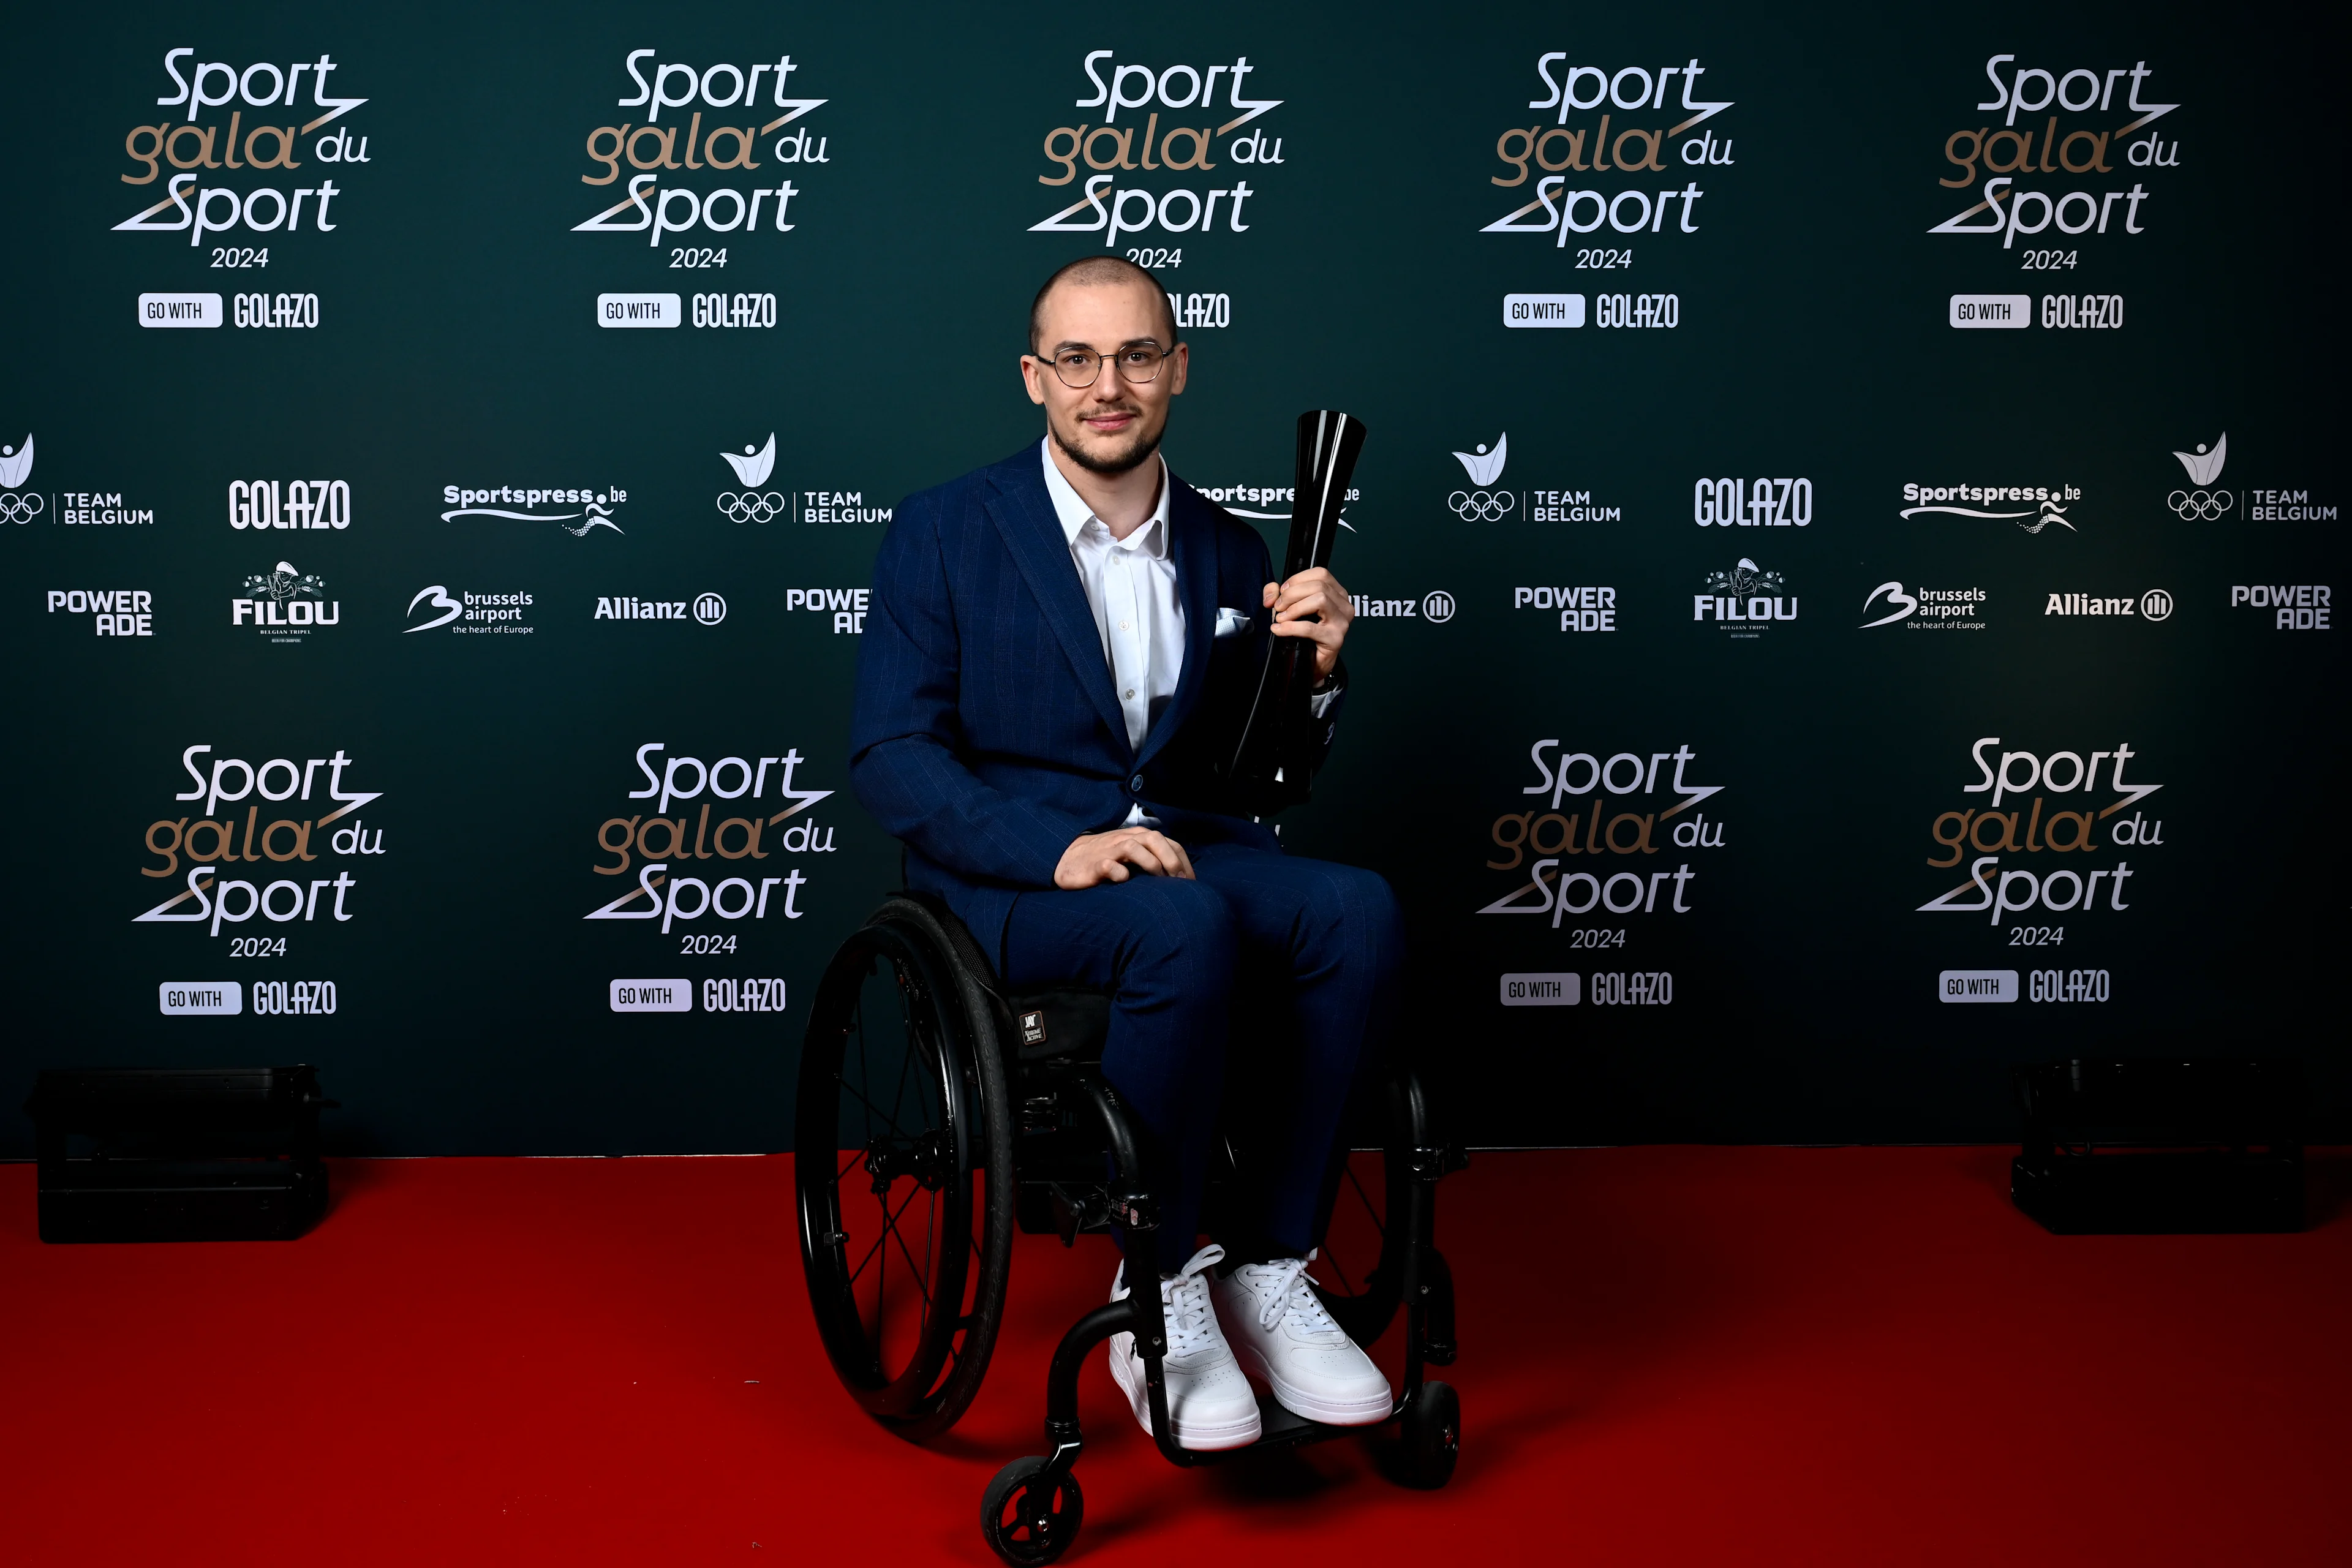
19	509
2202	506
751	508
1482	506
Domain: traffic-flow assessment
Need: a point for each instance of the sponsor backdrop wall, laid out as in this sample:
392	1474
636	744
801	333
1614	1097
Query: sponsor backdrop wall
1848	540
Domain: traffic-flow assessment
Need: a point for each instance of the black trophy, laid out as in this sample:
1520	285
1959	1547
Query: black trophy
1274	763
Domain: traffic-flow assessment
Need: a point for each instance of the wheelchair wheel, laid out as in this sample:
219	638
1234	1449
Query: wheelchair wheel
903	1165
1360	1271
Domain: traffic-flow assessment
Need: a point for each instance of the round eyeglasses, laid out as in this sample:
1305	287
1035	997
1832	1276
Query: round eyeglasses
1139	363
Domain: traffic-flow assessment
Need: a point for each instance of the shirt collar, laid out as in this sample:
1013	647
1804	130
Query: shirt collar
1073	513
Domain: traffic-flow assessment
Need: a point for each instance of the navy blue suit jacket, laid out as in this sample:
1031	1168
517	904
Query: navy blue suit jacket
987	735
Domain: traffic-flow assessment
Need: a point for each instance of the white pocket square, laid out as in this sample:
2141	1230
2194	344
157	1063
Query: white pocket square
1232	622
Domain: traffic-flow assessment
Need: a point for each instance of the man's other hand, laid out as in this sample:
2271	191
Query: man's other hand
1095	858
1312	604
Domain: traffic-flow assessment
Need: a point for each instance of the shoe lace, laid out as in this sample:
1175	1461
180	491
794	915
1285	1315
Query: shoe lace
1284	1288
1191	1316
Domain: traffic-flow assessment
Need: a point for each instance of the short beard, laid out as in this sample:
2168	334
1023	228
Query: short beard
1126	462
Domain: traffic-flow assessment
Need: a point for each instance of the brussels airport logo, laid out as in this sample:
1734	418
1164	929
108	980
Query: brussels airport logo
2155	604
2204	503
72	507
285	606
1619	879
588	508
674	187
1620	132
216	843
468	612
2057	808
267	128
703	609
1744	602
1925	609
657	846
2031	507
113	612
1484	502
2038	177
1184	129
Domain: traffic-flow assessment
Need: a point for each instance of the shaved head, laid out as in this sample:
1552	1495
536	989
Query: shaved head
1098	272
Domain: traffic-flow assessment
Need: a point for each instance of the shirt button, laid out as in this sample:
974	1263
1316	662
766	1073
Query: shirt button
1122	626
1130	694
1135	784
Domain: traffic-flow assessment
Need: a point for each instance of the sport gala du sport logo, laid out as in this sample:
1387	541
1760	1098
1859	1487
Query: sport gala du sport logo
215	842
1631	168
708	172
2056	158
1172	153
2018	860
232	121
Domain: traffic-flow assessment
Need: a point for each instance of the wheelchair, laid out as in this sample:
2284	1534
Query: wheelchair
938	1113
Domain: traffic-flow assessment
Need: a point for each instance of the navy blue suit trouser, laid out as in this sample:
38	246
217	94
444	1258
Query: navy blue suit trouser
1295	959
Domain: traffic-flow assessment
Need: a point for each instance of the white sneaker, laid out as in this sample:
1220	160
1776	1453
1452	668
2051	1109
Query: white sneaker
1281	1333
1209	1403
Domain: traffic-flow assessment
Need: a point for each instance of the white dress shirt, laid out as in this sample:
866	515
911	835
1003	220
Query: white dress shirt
1130	585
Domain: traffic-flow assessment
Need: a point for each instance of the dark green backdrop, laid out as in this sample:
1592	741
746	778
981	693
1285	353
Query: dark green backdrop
456	344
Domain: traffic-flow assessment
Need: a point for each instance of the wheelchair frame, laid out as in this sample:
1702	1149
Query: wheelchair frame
1015	1098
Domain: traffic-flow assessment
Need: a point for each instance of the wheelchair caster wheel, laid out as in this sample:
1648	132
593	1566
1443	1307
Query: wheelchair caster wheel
1022	1527
1432	1438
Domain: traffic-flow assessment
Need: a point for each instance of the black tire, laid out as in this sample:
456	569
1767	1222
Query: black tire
1010	1535
1360	1273
1431	1438
900	1072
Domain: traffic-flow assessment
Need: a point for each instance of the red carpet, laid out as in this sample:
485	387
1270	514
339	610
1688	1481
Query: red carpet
1674	1355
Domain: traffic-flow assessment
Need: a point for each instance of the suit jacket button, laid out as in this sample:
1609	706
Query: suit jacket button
1135	784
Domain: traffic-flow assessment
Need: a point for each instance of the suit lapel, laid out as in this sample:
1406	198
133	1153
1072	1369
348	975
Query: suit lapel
1193	542
1024	514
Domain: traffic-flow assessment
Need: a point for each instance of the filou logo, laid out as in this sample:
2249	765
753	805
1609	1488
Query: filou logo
1745	600
115	612
284	605
708	609
290	504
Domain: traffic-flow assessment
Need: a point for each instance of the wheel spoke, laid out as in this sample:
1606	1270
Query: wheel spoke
890	1224
1370	1213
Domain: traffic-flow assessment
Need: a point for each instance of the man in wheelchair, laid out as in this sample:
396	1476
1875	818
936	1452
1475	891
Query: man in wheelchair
1058	645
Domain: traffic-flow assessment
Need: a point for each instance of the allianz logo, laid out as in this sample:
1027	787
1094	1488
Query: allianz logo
706	609
117	612
2155	604
1436	607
